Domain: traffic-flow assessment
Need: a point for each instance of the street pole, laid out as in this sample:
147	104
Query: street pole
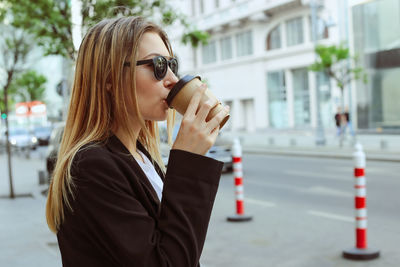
8	145
320	135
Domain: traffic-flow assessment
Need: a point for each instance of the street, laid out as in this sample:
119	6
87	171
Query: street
302	212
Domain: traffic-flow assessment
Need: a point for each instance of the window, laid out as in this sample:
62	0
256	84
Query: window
376	28
244	43
226	48
274	38
201	6
322	29
277	104
301	97
209	53
294	31
193	4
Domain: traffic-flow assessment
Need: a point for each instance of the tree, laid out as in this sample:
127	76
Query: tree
50	20
11	93
14	48
30	86
335	61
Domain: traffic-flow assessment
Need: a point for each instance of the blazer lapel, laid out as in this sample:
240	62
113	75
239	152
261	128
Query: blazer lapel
118	147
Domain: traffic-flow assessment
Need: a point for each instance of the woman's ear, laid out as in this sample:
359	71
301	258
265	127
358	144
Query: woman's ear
108	87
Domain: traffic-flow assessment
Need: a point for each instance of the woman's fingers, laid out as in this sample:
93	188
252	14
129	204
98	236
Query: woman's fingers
205	109
197	135
194	102
217	119
214	134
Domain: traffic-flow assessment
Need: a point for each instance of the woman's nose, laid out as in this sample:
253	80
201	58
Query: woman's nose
170	79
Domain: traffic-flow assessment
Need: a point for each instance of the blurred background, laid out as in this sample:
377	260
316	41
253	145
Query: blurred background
306	80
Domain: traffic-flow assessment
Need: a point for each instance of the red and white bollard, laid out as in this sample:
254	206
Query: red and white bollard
361	251
238	172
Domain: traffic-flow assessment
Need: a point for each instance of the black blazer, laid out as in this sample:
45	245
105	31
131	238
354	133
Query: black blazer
117	219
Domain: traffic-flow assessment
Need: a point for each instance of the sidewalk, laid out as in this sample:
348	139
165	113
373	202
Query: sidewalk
302	143
26	239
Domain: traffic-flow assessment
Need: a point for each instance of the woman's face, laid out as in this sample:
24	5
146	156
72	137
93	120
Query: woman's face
151	93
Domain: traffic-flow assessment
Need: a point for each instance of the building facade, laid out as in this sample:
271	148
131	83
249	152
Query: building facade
258	56
375	27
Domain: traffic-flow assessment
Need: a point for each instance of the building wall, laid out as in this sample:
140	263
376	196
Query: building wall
376	38
52	68
242	80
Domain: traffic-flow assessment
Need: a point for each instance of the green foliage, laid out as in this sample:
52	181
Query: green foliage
333	60
10	100
14	48
2	13
94	12
49	21
195	38
30	86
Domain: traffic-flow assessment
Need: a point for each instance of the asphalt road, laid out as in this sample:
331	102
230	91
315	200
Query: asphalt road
302	212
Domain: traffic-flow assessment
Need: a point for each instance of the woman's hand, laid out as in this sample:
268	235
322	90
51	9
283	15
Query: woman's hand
197	135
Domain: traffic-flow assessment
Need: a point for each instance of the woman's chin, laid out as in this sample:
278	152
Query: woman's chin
159	115
162	117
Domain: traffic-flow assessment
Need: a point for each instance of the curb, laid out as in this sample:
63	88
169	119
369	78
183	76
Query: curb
348	154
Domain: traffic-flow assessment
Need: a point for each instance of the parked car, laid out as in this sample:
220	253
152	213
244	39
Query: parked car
54	145
20	139
221	150
42	134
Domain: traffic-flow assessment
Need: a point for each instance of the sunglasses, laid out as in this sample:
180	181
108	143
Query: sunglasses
160	66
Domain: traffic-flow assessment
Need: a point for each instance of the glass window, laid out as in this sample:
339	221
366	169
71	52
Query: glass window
376	27
294	31
382	109
226	48
193	4
274	38
244	43
322	29
301	95
209	53
201	6
277	104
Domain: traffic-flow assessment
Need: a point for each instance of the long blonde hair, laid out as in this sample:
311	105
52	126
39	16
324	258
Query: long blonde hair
99	100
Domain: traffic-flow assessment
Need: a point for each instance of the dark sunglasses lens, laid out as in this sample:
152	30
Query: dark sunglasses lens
160	67
173	64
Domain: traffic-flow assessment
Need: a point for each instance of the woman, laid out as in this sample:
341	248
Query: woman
110	201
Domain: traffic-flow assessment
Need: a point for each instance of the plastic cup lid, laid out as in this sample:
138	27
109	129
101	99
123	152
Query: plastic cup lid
178	86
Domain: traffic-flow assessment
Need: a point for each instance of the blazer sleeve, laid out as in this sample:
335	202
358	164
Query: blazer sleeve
121	228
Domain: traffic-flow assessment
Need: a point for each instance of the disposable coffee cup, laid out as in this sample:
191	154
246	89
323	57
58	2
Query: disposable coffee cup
180	95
